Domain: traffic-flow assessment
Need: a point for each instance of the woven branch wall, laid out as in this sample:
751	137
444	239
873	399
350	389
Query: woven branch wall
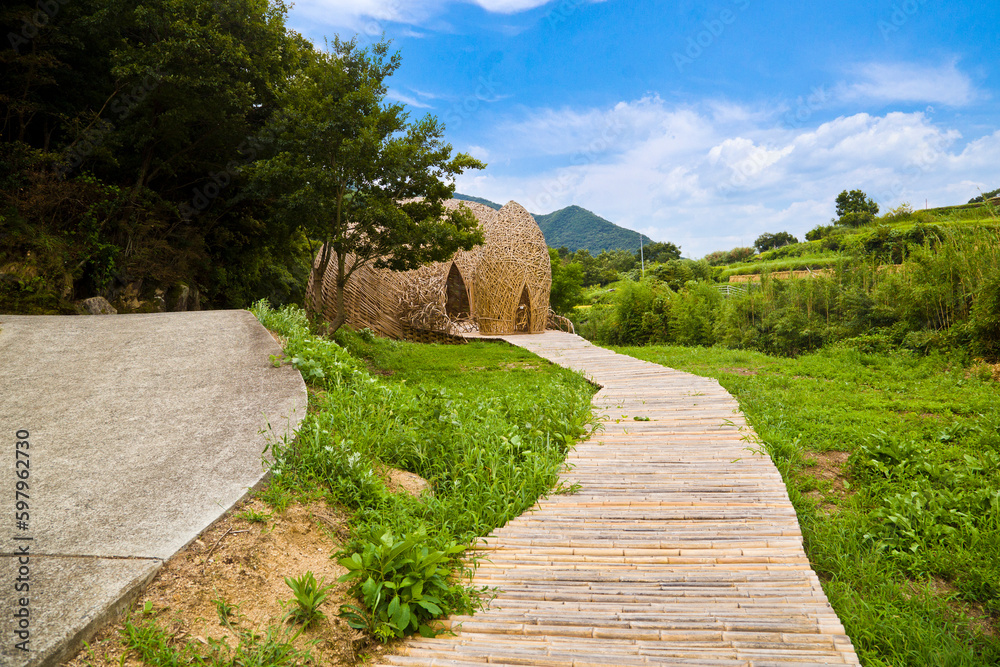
514	264
507	281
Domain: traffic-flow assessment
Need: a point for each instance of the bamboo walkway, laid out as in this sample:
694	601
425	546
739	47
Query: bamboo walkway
681	547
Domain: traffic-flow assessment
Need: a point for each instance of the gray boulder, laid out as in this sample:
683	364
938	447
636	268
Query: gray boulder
96	305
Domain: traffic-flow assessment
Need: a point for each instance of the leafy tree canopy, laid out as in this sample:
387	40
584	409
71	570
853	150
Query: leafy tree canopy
660	252
769	241
356	173
567	284
984	196
855	208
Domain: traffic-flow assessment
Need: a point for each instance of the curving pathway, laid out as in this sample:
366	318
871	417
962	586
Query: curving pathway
681	547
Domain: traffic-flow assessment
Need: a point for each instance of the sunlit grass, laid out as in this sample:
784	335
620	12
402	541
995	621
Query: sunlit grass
905	600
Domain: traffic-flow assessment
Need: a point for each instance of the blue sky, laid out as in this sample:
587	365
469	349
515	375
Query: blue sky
701	123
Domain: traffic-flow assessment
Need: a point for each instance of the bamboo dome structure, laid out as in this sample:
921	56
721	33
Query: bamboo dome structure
500	287
513	277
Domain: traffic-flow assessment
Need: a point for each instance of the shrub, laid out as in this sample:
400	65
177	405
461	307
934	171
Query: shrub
985	320
819	232
693	313
901	213
856	219
768	241
403	585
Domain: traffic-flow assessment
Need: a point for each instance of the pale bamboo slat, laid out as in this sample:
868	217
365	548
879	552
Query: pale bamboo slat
681	547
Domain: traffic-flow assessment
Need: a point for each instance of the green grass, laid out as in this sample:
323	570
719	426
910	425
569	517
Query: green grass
909	554
813	262
158	647
487	424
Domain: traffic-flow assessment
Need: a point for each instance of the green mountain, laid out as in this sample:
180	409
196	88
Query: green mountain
479	200
576	227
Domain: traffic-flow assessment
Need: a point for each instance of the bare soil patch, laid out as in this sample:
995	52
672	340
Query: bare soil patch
245	563
978	619
736	370
406	482
828	469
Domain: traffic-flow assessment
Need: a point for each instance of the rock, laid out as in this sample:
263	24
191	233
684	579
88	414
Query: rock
96	305
128	299
407	482
159	301
180	303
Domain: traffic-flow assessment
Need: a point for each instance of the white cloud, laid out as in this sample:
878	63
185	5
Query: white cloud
397	96
509	6
909	83
710	181
367	15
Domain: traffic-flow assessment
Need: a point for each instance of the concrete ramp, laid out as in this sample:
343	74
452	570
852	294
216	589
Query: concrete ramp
140	431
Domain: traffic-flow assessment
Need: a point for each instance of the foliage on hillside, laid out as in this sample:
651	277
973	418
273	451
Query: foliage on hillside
129	131
479	200
577	228
921	290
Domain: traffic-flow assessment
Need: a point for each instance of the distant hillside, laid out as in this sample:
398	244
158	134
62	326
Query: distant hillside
576	227
479	200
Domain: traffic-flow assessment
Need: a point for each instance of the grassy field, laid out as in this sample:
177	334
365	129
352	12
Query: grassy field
824	254
488	427
893	464
486	424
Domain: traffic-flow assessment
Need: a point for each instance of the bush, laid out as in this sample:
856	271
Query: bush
819	232
634	323
722	257
693	313
856	219
768	241
985	319
901	213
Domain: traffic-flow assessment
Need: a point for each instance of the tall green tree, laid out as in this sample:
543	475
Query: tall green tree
355	173
768	241
123	125
660	252
855	208
567	284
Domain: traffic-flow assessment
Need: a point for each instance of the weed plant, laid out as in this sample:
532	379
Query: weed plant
487	425
908	548
309	595
157	647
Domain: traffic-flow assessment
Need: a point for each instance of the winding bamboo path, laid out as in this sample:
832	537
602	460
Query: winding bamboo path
680	548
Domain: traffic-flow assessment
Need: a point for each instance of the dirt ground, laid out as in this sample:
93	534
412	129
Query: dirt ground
828	470
244	562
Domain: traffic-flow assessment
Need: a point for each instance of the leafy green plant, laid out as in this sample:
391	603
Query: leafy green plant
403	585
309	595
250	515
225	611
157	648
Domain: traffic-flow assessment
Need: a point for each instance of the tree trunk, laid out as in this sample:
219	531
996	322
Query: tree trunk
316	294
341	317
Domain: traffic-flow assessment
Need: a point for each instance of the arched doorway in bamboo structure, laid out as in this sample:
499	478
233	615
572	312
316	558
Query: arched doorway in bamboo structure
457	304
522	316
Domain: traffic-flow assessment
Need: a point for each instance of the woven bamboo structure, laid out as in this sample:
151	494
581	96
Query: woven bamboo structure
513	277
500	287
